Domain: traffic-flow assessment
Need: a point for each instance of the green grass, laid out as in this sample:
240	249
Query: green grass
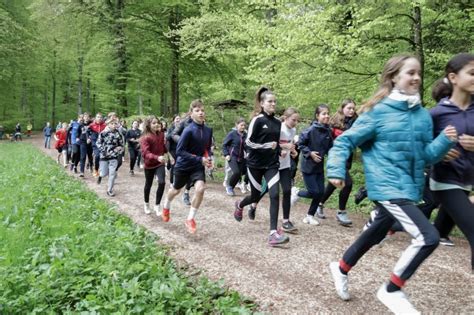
64	250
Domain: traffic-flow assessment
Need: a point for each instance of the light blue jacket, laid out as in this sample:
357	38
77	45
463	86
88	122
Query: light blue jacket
396	143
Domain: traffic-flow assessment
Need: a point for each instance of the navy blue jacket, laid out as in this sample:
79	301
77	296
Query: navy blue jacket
459	171
315	138
234	145
194	143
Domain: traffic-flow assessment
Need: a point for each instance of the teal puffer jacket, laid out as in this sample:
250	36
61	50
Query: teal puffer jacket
397	143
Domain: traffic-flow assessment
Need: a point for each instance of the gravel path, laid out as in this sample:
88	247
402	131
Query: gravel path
293	280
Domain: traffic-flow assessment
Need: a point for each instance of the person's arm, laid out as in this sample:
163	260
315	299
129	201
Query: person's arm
226	144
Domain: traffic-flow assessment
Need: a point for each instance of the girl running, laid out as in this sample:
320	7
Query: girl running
132	138
193	156
233	150
172	144
314	144
154	156
60	145
395	134
263	161
340	122
453	179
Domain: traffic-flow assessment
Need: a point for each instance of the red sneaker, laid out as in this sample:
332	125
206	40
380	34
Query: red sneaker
165	215
191	226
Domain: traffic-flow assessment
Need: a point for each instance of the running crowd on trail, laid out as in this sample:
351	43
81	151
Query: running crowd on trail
415	160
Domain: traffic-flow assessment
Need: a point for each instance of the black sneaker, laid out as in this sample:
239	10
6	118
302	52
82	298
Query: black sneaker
75	170
132	172
360	195
446	241
99	180
289	227
252	211
110	193
186	199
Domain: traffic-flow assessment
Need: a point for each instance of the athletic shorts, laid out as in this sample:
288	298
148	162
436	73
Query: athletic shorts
60	149
181	178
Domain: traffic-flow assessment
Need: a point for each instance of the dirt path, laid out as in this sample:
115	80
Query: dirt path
295	280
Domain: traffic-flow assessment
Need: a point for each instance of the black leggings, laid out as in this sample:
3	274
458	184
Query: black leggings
259	188
456	204
425	238
133	153
343	194
150	174
237	170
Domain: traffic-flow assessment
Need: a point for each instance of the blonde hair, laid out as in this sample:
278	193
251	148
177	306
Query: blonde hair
391	69
288	113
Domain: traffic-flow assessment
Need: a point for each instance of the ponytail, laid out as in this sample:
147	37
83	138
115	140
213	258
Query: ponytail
260	95
443	87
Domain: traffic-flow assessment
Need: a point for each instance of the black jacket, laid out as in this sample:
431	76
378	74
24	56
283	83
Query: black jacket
263	130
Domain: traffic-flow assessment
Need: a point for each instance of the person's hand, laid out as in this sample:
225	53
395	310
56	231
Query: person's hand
293	154
274	145
207	162
227	157
339	183
161	159
451	133
451	155
172	160
315	156
467	142
283	154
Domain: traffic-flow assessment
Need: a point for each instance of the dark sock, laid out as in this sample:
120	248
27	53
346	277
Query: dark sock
392	287
343	271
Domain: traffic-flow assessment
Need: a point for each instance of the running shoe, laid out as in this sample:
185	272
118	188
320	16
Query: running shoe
289	227
446	241
309	219
396	301
191	226
157	209
294	195
277	238
131	172
146	208
110	193
186	199
242	188
252	212
320	212
341	281
360	195
343	218
238	211
81	175
229	191
99	180
165	215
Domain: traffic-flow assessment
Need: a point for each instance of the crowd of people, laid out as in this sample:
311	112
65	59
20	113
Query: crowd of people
404	146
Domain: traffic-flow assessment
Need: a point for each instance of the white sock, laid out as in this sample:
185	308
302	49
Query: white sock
186	192
192	213
167	204
273	231
285	220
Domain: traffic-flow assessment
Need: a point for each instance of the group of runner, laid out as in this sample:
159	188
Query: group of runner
398	138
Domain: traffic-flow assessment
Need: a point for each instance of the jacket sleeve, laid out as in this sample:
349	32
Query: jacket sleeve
226	144
434	151
183	144
362	131
303	142
177	132
146	153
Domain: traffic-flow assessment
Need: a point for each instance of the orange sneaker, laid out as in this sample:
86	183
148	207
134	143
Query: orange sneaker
191	226
165	215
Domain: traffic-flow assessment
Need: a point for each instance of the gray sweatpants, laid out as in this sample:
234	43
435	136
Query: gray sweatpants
109	167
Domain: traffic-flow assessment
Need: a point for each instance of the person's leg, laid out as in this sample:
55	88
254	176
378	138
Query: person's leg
90	157
272	177
443	223
257	189
76	155
83	155
285	182
234	174
96	158
327	192
149	177
345	192
160	175
133	158
315	187
112	173
458	206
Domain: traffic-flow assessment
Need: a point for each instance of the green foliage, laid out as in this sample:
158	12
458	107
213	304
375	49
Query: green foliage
64	250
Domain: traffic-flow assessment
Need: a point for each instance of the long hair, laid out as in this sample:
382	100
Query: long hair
319	108
147	125
288	113
443	87
338	119
391	69
260	95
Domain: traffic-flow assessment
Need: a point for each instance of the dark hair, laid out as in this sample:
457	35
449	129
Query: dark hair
337	120
390	70
319	108
260	95
239	120
443	87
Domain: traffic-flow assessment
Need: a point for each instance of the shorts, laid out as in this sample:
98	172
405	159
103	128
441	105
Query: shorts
60	149
181	178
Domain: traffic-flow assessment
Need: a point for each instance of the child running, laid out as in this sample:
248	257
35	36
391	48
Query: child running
395	134
314	144
60	145
233	149
110	144
154	156
340	122
132	138
263	161
453	179
193	154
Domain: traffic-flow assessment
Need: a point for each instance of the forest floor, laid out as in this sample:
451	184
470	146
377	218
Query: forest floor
296	279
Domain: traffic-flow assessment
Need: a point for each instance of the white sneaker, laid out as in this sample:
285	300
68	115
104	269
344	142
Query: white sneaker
396	301
340	281
310	220
146	208
294	195
248	187
157	209
241	186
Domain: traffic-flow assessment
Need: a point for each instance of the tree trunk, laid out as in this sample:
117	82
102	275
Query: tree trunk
140	99
418	39
121	79
45	103
53	96
88	94
79	84
163	107
173	23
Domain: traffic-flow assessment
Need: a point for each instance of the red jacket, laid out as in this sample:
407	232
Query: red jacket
61	134
153	146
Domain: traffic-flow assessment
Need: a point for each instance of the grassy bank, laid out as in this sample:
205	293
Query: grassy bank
64	250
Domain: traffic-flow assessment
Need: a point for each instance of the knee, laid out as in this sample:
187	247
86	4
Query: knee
199	189
431	239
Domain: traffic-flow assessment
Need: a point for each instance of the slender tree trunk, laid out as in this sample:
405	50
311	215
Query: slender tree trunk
418	39
173	23
163	106
45	103
88	94
80	65
93	103
53	95
140	99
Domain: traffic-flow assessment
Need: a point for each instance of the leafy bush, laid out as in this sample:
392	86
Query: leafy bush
65	250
